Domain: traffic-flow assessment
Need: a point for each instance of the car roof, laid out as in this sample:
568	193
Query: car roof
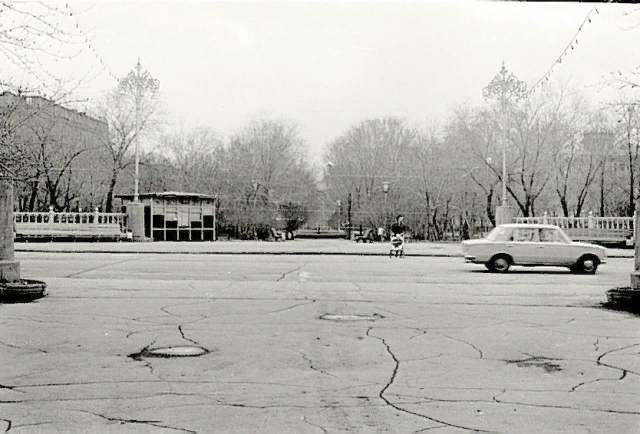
529	225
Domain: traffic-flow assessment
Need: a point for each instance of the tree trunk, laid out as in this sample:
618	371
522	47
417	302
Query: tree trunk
33	196
565	206
490	215
602	189
349	216
631	193
428	214
112	186
435	229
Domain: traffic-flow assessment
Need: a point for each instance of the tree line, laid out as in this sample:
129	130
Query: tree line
562	154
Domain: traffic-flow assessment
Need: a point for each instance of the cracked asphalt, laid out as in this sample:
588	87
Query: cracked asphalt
450	348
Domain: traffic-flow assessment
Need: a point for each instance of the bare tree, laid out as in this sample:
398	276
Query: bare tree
264	170
196	156
533	136
628	135
32	36
474	134
368	154
119	111
581	150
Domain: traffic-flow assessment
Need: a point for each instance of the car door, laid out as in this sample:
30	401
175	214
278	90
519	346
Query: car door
551	248
567	252
524	248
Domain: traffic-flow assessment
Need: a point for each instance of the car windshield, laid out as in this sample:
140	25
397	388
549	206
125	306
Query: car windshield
499	234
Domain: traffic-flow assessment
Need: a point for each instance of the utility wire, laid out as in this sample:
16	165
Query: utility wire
570	45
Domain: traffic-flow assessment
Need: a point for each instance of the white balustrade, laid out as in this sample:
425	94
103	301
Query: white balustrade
72	223
590	227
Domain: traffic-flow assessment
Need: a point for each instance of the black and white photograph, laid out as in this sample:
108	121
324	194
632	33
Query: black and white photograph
319	216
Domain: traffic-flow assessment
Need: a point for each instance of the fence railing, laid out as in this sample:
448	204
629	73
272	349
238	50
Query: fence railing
589	228
72	224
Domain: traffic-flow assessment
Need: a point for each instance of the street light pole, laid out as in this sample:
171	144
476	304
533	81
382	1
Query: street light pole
255	191
504	154
502	87
137	162
349	216
385	188
138	83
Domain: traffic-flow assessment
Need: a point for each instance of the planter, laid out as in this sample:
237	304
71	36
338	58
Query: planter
23	290
624	298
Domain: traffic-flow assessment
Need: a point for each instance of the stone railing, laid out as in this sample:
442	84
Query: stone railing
591	227
70	224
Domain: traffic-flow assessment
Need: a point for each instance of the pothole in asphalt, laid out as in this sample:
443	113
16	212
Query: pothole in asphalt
537	362
169	352
350	317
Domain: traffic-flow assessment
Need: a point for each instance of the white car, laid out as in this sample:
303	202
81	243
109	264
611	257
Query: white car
533	244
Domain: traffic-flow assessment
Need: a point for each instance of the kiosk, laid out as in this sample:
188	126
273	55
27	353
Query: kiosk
176	216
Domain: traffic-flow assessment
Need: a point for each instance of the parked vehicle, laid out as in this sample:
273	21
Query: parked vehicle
533	245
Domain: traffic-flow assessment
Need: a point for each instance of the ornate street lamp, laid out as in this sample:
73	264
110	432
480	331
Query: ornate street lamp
385	189
140	84
504	87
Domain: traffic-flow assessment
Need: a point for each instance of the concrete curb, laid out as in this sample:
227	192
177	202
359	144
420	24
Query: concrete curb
247	252
294	253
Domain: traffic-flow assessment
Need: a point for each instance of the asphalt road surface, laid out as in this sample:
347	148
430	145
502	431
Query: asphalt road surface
316	344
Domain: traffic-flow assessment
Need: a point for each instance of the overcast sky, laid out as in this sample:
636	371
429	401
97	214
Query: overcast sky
328	65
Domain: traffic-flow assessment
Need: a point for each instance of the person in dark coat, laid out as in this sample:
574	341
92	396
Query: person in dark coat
397	237
398	228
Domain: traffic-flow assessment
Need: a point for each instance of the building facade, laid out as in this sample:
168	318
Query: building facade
60	153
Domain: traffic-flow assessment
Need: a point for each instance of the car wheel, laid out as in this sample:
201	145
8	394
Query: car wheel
588	264
499	263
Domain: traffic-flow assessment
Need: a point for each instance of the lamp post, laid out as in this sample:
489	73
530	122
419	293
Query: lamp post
504	87
349	216
255	191
138	83
490	188
385	189
339	205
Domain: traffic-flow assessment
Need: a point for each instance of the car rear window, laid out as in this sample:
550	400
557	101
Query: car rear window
499	234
